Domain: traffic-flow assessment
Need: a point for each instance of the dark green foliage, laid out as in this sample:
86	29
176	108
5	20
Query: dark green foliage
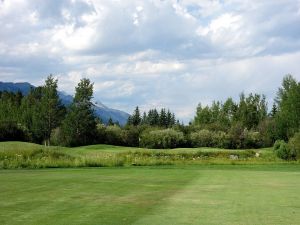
277	144
51	109
101	133
294	144
267	130
162	139
79	126
131	135
11	117
288	116
110	122
252	139
153	117
10	104
236	134
203	115
114	135
165	118
249	112
274	111
10	131
136	117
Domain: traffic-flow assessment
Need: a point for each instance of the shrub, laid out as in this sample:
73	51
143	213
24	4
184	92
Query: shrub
277	145
131	136
101	133
56	137
284	151
294	144
114	135
167	138
11	131
221	140
202	138
252	139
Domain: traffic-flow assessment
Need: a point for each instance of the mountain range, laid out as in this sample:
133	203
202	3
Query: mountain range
100	109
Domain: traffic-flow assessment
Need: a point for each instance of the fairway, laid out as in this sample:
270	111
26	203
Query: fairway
216	194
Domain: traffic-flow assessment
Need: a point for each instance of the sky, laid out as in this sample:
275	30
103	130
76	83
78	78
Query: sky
153	53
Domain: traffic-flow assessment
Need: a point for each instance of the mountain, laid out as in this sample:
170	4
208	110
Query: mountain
101	110
15	87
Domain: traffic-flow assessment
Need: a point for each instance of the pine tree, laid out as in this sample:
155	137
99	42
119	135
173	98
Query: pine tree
274	110
136	117
169	119
110	122
79	126
173	120
144	119
163	118
129	121
31	114
52	111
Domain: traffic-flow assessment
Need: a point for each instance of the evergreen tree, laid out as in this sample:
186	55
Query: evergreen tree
129	121
273	110
163	118
173	120
110	122
136	117
79	126
169	119
288	115
51	109
32	115
144	119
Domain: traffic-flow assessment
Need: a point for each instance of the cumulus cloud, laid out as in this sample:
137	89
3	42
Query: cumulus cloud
172	53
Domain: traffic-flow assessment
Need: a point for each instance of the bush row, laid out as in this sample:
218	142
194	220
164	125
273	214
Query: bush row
221	139
158	138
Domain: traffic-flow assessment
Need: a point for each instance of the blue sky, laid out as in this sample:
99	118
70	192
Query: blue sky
156	53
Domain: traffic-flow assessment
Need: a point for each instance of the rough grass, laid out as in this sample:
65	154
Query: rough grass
26	155
202	194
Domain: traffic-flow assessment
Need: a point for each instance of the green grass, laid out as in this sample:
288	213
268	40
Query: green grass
26	155
203	194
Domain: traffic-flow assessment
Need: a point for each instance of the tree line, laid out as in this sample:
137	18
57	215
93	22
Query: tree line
247	123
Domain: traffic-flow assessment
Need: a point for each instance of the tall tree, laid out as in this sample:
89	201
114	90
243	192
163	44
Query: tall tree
32	116
144	119
203	115
163	118
79	126
136	117
52	111
288	116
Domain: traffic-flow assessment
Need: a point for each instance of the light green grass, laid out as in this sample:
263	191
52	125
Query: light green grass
224	194
26	155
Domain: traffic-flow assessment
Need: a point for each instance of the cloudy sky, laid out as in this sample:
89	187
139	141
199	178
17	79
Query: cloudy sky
155	53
